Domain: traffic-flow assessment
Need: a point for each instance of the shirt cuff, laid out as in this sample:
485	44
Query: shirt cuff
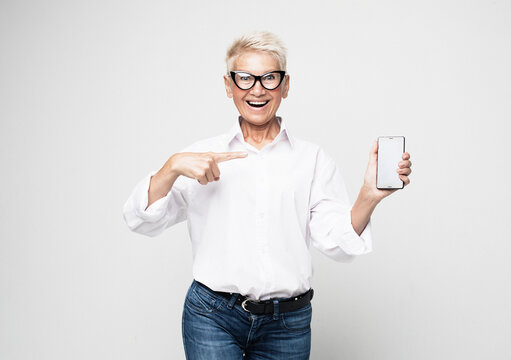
352	243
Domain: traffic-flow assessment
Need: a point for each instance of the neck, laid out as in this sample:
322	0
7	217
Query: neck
259	133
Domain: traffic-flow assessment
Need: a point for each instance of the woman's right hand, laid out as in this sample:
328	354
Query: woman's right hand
196	165
201	165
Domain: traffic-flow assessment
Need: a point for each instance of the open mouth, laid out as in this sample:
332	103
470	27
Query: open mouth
257	104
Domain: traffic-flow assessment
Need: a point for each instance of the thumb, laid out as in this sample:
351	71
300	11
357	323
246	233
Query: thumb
373	153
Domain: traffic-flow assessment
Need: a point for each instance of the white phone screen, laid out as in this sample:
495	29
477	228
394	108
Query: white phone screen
390	151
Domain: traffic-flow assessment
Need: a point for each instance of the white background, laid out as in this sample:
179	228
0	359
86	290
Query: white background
95	94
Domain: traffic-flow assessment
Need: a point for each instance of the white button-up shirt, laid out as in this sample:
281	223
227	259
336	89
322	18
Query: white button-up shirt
251	231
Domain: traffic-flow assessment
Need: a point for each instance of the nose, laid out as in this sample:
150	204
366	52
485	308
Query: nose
257	89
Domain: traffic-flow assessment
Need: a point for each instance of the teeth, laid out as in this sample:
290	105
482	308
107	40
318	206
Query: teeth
257	103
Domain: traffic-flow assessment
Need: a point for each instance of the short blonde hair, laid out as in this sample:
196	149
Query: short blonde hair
263	41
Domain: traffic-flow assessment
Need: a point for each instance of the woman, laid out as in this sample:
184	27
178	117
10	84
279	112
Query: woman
255	198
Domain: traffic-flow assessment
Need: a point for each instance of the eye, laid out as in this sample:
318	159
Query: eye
244	77
269	77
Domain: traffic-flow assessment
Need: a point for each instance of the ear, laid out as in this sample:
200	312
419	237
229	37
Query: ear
285	88
228	88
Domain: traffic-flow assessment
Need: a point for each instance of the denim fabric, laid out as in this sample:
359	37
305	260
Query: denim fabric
215	328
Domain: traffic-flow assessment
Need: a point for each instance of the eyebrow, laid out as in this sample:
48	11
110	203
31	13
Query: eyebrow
248	72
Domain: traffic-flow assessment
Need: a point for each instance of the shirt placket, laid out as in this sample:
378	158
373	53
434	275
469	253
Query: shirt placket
261	221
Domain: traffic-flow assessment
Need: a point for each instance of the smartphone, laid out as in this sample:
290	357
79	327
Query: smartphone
390	152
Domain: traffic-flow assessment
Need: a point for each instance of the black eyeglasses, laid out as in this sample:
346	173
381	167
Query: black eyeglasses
270	81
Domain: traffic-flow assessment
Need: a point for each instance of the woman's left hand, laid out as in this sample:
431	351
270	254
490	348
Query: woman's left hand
369	187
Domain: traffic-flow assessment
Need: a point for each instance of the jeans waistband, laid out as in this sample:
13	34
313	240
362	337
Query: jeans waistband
266	306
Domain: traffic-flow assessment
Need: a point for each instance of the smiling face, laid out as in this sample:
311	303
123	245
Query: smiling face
256	105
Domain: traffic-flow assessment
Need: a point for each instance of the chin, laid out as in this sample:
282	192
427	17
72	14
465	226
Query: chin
257	119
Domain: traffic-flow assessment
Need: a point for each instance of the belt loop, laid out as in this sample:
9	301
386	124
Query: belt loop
232	300
275	309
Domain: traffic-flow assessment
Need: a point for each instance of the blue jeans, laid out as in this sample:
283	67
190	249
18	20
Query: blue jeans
215	328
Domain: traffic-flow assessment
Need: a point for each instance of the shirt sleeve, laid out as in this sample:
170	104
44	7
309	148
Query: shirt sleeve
331	231
163	213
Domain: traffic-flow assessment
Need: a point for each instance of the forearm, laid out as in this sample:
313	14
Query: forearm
362	210
161	183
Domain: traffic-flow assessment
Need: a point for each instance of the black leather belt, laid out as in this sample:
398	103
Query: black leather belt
266	306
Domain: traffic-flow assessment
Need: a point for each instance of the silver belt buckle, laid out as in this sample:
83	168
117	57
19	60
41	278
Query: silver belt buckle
244	302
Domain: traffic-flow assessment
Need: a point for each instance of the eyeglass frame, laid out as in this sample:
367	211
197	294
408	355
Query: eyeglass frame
258	78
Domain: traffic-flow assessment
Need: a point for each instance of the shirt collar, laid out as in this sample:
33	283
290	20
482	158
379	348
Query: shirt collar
235	131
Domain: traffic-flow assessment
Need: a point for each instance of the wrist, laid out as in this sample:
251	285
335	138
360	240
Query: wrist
166	175
169	171
368	195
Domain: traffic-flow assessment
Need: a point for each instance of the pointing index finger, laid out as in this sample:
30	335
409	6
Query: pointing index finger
224	156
